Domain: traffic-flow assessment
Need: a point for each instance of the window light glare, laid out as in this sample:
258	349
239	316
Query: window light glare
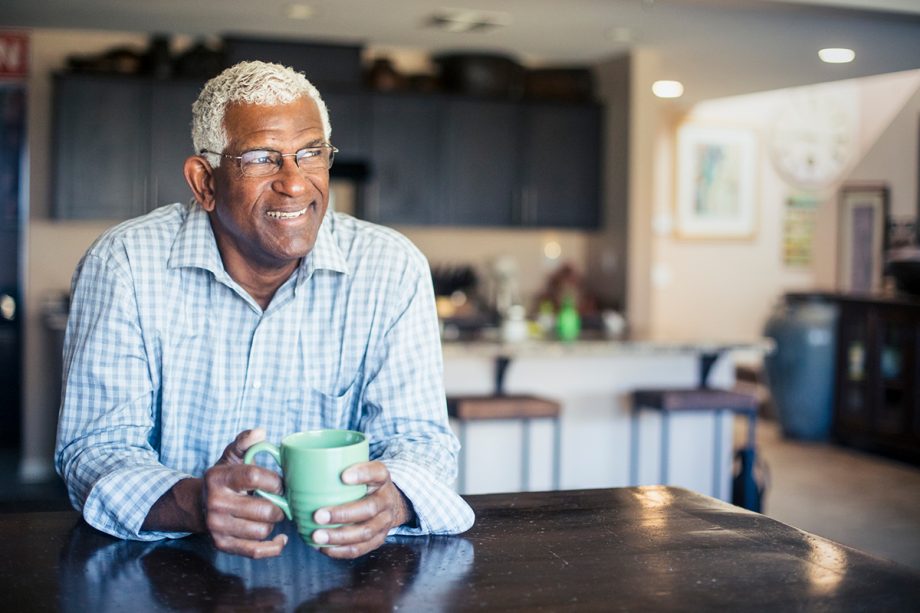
668	89
836	55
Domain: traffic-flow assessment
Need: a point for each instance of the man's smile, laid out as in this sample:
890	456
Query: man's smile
286	214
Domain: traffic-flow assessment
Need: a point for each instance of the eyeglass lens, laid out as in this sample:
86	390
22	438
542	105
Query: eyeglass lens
265	162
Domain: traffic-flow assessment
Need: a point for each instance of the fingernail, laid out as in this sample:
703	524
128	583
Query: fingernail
322	516
284	540
320	537
350	477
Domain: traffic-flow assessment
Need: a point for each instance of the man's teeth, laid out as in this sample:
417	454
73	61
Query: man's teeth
284	215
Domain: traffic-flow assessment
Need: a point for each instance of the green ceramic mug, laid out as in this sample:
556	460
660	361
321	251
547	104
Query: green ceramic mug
312	464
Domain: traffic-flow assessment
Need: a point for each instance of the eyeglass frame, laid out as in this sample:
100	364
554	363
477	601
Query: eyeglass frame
239	158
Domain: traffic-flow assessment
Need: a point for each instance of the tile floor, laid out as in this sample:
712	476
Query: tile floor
857	499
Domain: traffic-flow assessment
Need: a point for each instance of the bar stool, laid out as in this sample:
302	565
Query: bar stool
682	400
521	407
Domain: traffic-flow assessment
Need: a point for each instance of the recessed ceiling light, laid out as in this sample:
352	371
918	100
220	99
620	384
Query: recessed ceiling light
836	55
668	89
468	20
298	11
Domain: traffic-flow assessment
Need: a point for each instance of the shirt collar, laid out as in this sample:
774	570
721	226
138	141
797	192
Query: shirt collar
195	246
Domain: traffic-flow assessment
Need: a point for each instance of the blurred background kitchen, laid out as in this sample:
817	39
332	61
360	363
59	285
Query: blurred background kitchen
666	174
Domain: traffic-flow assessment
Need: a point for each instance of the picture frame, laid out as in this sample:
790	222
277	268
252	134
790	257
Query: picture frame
861	237
716	182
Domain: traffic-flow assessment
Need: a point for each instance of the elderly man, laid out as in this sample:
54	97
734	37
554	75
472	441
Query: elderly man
198	330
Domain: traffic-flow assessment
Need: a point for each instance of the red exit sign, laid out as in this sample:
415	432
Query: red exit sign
14	55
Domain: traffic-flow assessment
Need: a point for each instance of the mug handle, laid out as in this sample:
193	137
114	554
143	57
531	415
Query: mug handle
279	501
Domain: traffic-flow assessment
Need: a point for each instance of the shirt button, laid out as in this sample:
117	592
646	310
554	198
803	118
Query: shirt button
257	385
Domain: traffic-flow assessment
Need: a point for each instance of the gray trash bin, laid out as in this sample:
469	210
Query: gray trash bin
800	370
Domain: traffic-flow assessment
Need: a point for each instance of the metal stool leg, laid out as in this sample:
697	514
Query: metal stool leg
717	455
665	445
634	447
557	452
525	455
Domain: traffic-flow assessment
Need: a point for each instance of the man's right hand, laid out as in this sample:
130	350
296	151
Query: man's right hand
238	522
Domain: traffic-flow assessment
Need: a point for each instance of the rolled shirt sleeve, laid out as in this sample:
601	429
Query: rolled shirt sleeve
104	452
406	410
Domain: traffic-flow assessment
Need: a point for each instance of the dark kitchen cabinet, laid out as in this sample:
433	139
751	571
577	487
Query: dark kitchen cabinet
405	185
119	144
480	170
561	166
878	376
349	114
100	147
170	140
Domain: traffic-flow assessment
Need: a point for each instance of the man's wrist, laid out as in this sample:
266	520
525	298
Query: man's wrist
180	509
406	512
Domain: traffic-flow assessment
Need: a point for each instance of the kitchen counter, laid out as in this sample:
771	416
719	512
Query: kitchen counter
593	379
594	347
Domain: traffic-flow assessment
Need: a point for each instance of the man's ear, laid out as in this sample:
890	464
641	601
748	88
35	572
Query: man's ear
200	177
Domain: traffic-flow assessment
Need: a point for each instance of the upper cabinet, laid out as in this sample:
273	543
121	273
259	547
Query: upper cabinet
120	144
405	186
480	161
561	166
447	160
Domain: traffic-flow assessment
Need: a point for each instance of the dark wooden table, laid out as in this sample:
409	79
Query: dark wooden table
627	549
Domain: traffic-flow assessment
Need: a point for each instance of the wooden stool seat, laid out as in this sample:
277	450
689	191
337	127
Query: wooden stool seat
522	407
669	401
506	406
694	399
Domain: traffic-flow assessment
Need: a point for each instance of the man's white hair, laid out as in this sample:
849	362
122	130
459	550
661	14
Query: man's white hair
247	83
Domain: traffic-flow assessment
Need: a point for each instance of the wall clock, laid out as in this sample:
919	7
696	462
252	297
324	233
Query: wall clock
812	139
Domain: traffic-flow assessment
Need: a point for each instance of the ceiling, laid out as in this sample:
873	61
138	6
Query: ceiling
716	47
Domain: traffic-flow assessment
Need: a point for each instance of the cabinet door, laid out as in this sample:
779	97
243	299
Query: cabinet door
480	161
100	147
405	185
561	154
170	140
349	115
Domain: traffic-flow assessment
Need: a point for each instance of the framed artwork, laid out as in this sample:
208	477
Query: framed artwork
716	172
861	237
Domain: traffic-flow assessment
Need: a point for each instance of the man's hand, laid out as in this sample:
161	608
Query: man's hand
238	522
368	520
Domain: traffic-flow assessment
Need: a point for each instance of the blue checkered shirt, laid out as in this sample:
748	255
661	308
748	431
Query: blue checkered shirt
167	359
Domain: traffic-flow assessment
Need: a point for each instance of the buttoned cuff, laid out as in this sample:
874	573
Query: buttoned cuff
438	508
120	501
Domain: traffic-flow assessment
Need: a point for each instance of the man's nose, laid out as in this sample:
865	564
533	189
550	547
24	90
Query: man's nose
289	180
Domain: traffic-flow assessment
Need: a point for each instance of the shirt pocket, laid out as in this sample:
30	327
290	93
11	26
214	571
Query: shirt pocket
313	409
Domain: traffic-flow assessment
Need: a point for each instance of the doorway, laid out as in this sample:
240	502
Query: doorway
13	188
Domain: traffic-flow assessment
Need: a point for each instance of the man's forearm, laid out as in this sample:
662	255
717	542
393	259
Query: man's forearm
178	510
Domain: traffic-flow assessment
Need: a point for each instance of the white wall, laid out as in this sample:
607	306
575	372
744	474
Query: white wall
724	289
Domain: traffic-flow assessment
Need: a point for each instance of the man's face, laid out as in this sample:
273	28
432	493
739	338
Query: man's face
269	223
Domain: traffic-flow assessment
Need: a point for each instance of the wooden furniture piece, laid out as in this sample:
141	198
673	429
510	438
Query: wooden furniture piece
877	406
632	549
523	408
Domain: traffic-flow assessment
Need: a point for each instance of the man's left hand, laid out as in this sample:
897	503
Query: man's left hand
367	520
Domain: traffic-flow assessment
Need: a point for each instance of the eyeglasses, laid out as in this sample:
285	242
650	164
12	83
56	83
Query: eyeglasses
265	162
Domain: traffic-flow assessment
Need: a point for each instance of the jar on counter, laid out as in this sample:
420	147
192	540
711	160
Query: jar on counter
514	326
